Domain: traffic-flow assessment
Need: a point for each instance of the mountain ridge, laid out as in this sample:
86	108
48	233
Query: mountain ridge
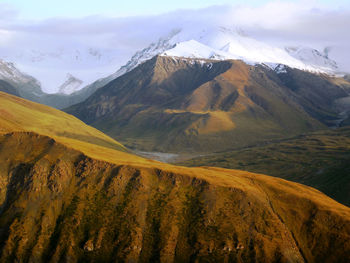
209	43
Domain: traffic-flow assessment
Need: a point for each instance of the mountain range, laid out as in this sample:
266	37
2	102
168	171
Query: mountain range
218	43
28	87
50	64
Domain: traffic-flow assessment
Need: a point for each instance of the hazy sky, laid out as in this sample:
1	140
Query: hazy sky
39	9
33	30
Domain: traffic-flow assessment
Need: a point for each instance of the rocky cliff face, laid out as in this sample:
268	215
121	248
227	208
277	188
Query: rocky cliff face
58	205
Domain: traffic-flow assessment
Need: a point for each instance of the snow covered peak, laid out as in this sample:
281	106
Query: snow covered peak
222	43
9	72
193	49
163	44
72	84
313	57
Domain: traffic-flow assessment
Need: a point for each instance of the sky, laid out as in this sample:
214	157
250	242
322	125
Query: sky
49	39
41	9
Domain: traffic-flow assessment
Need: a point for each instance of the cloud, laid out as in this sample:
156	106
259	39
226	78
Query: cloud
294	22
279	23
289	21
7	12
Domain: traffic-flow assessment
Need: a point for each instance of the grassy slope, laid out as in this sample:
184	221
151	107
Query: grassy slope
18	114
320	160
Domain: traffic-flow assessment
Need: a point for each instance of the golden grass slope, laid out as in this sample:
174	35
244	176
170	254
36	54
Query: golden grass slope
17	114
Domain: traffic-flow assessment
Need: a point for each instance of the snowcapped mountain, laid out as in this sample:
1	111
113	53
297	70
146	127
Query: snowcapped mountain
221	43
163	44
72	84
10	73
51	64
15	82
90	64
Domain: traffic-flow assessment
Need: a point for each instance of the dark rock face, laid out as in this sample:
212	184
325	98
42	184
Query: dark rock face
58	205
181	105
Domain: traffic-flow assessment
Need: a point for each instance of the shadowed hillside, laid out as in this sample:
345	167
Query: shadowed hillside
320	160
8	88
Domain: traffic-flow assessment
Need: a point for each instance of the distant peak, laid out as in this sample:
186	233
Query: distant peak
71	84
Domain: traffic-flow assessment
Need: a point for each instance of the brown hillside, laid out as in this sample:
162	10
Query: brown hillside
183	105
58	205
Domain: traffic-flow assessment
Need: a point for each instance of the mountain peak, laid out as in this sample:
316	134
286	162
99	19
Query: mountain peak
9	72
70	85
